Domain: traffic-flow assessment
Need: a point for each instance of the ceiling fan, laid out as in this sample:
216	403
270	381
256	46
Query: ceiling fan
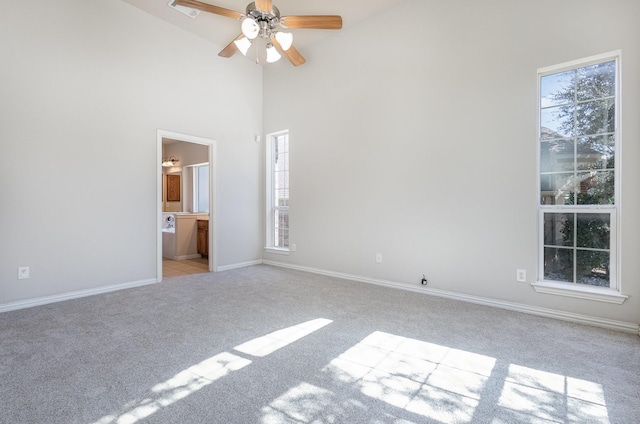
263	30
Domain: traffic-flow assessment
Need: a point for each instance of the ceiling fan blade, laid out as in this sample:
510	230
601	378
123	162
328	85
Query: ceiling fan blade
265	5
292	54
312	22
231	48
206	7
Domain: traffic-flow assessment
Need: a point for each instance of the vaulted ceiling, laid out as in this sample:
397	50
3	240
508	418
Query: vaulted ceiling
221	30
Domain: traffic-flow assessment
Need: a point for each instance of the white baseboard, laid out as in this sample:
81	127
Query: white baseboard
29	303
238	265
534	310
626	327
183	257
22	304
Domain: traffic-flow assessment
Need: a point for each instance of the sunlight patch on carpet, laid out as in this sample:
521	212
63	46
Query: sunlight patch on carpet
422	380
267	344
303	403
426	379
549	396
179	387
206	372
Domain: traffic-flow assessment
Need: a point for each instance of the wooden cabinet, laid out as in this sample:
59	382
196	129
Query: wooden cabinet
203	238
173	188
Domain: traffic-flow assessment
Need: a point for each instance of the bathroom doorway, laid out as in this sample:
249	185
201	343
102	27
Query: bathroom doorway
180	201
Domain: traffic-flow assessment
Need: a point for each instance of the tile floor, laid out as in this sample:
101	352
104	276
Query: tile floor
171	268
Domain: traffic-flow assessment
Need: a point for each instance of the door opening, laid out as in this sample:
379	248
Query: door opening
176	196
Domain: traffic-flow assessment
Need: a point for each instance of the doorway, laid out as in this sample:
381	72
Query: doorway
168	137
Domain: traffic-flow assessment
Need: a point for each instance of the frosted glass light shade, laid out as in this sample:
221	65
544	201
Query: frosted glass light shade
243	45
272	54
285	39
250	28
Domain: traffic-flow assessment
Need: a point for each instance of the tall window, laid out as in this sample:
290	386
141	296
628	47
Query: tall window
278	190
578	140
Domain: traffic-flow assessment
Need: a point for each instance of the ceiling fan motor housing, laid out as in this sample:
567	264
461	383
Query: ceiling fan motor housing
268	20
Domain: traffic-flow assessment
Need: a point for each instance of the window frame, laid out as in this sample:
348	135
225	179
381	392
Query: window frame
270	207
611	294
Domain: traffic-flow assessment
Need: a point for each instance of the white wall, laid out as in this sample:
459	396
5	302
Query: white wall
84	87
414	135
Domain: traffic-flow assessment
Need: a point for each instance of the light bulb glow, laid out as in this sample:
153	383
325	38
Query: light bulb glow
285	39
243	45
250	28
272	54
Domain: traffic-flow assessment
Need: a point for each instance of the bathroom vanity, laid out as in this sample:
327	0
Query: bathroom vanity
203	237
182	237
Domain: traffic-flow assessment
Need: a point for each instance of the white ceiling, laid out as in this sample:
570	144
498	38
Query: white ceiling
221	30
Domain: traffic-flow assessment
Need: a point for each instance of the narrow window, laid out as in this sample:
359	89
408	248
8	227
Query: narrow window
578	144
278	191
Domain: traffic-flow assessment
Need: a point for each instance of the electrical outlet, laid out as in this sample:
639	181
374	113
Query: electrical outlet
378	258
293	247
521	275
23	272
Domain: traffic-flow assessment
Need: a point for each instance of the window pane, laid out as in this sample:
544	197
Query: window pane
203	188
596	152
592	268
595	117
278	191
281	228
557	89
556	155
557	189
281	171
596	188
558	264
281	154
596	81
556	122
283	238
592	230
558	229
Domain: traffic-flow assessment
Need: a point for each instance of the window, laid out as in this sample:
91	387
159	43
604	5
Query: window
578	145
278	191
201	188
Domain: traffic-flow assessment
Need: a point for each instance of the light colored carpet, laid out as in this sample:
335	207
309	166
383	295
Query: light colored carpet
268	345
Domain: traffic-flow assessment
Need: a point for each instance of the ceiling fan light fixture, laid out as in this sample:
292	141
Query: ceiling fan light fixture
262	26
285	39
243	45
272	54
250	28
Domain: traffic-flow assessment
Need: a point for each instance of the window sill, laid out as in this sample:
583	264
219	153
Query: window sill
277	250
589	293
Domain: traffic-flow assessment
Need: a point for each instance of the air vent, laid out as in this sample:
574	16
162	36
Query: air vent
192	13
